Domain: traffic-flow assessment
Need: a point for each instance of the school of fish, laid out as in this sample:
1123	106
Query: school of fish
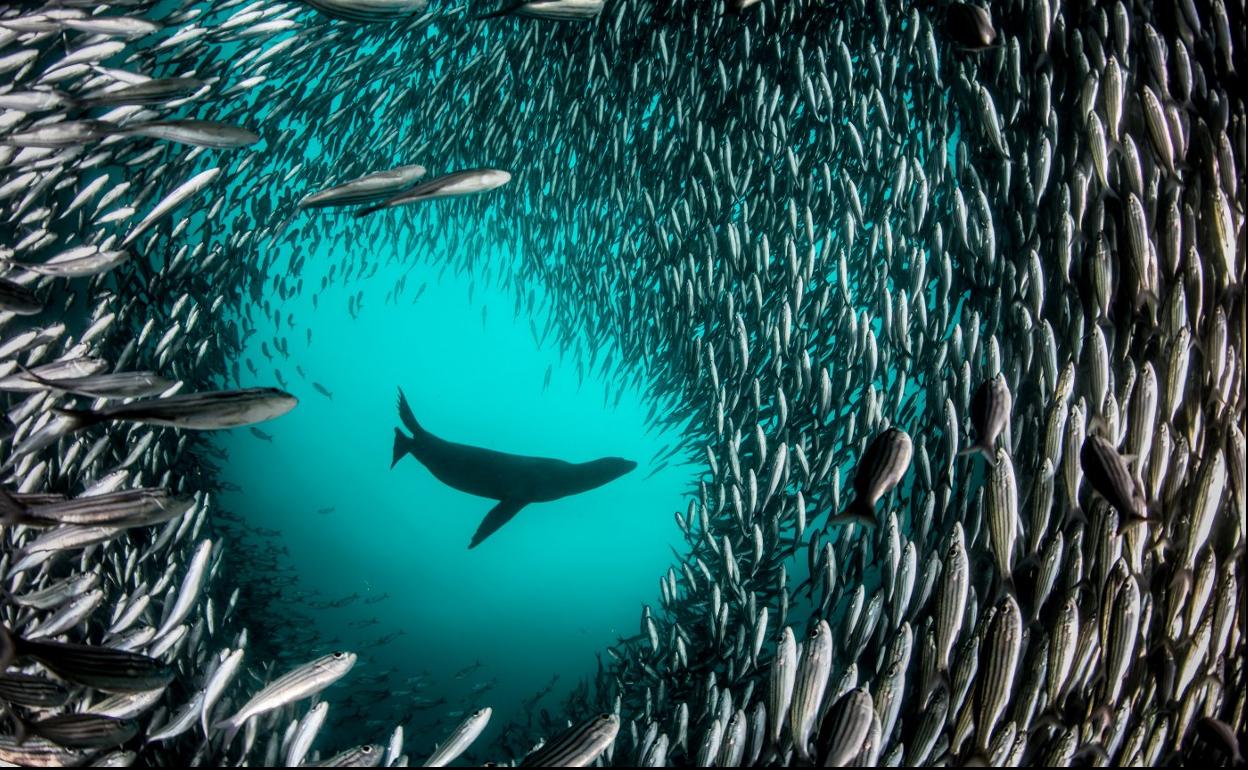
946	300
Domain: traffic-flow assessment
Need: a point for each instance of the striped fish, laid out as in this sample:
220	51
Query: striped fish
83	731
366	755
990	415
952	602
365	189
1002	647
215	410
1123	629
551	10
31	691
1107	472
781	682
811	681
1001	500
107	385
16	298
879	469
467	182
368	11
578	746
303	682
460	739
38	752
99	667
126	508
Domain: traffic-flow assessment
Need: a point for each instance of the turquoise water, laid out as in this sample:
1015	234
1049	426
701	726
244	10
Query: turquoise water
544	594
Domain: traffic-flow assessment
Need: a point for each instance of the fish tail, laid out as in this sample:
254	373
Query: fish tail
80	418
231	730
505	10
979	449
11	511
855	513
10	646
21	728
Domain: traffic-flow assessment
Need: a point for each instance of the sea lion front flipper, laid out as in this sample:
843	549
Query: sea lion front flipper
497	517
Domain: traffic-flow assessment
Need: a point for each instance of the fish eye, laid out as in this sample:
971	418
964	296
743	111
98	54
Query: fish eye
366	749
339	655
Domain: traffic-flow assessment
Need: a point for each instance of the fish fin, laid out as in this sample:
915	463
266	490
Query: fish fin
370	209
407	418
497	517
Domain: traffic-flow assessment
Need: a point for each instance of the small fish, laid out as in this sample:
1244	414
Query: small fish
154	91
809	686
452	185
78	262
126	508
459	740
323	390
879	469
990	414
82	731
577	747
199	133
16	298
31	691
99	667
303	682
214	410
366	755
969	26
368	11
364	189
309	726
845	729
553	10
1105	469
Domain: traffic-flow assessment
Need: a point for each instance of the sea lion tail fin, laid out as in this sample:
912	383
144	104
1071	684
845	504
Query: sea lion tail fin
407	418
403	443
402	446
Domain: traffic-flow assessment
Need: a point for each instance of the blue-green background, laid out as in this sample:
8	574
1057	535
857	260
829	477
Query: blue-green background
558	584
